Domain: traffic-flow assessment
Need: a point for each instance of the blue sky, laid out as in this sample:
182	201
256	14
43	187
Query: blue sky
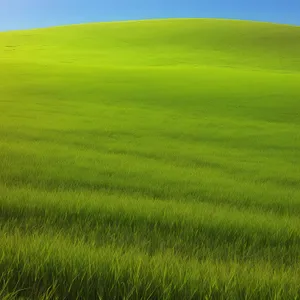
19	14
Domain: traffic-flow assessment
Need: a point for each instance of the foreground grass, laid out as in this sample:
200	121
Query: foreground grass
140	161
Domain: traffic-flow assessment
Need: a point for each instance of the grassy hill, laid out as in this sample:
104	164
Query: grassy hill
150	160
181	42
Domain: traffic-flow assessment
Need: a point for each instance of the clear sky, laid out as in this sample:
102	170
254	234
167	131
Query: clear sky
19	14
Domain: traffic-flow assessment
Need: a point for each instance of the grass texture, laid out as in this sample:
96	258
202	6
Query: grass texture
150	160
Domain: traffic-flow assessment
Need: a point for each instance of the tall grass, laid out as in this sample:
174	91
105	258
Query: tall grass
150	160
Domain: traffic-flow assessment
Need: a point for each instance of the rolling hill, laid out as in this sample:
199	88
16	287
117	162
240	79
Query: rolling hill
150	160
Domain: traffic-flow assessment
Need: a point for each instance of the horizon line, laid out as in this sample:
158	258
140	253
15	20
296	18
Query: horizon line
149	19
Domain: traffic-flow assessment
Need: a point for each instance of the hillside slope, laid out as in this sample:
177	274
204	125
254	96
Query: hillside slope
150	160
161	43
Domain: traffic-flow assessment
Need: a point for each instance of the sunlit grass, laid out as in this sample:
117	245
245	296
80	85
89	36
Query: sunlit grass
150	160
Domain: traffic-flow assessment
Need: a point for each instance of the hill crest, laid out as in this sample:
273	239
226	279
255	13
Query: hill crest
166	42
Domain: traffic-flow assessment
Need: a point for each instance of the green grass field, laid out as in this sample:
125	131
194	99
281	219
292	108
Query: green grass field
150	160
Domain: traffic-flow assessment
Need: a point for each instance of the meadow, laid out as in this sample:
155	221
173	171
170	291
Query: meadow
150	160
